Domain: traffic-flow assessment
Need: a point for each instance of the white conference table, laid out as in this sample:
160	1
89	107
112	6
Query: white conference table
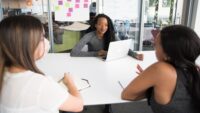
102	76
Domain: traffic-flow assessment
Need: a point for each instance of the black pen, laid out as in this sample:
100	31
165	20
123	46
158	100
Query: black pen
120	84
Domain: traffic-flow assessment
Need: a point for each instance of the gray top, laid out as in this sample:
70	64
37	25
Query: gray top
94	45
181	101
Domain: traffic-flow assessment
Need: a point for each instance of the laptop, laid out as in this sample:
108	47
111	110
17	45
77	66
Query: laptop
118	49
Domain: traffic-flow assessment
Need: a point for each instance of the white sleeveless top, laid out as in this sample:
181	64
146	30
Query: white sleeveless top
29	92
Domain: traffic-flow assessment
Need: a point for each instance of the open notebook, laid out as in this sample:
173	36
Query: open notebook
80	83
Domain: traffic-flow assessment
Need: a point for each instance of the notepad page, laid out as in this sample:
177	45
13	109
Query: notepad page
80	84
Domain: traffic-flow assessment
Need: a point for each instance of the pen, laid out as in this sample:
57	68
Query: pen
61	79
120	84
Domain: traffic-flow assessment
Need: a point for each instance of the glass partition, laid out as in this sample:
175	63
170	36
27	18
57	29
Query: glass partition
158	14
126	18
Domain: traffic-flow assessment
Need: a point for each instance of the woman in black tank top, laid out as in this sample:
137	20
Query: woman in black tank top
172	85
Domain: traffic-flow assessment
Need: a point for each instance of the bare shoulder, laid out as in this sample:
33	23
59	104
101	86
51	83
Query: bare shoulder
162	66
162	71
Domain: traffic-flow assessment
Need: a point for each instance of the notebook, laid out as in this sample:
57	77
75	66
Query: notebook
118	49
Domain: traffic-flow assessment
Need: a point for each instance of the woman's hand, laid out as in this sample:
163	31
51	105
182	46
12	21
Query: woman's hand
139	68
74	102
67	79
140	56
102	53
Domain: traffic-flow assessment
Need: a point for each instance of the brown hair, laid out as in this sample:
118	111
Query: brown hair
19	38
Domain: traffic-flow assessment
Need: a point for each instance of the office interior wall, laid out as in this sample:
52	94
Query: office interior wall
197	22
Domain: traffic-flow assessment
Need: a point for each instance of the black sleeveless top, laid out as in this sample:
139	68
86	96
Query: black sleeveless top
181	101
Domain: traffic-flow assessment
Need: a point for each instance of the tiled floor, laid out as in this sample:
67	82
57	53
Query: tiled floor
132	107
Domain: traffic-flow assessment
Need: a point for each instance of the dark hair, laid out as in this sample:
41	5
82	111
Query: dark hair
110	33
19	38
182	47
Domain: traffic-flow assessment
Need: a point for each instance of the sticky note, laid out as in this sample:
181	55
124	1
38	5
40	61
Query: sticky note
85	0
76	5
68	14
69	0
67	5
57	8
85	5
77	1
70	9
60	2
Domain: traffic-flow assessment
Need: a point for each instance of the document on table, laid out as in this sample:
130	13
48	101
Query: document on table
79	82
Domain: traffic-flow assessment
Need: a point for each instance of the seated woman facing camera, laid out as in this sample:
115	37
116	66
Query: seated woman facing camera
23	87
172	84
99	39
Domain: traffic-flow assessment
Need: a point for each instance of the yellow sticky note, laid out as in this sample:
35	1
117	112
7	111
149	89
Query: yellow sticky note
57	8
67	5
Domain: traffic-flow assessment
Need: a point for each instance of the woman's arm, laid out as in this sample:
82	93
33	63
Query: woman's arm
156	76
161	76
76	51
74	102
138	87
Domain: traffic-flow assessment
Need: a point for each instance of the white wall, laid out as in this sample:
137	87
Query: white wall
122	9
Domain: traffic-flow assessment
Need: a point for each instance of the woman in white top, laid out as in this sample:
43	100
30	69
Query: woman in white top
23	87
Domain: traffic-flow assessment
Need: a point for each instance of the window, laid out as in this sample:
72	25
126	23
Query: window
125	15
159	13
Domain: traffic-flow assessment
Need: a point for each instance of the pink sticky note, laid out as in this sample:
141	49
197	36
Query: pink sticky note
76	5
77	1
85	0
69	0
85	5
70	9
60	2
68	14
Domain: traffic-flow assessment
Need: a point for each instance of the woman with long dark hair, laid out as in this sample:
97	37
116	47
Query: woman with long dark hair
173	83
97	40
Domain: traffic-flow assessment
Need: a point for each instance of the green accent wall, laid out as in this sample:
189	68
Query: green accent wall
70	38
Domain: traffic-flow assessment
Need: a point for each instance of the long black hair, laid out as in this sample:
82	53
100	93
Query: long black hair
110	33
182	47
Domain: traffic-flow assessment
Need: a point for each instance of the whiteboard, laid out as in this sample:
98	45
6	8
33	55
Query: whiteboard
121	9
71	10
